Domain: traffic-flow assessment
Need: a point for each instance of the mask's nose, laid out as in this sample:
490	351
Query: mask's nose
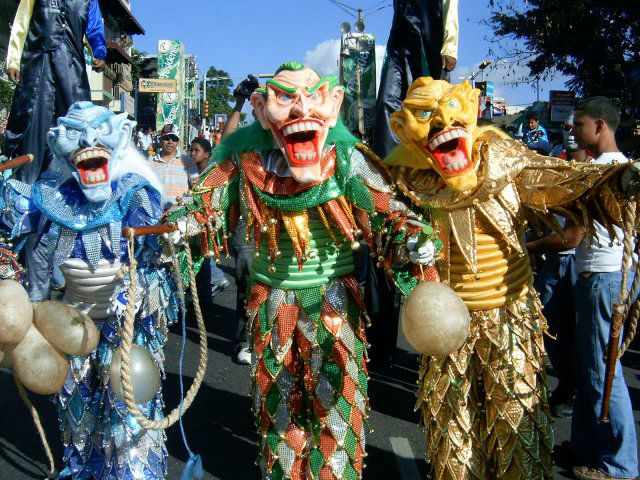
88	138
301	106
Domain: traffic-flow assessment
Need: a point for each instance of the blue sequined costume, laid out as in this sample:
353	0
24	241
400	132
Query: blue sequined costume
60	225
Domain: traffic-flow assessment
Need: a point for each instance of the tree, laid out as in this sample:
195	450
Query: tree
219	91
596	43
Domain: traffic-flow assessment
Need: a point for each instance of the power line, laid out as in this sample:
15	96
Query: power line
337	4
376	10
370	9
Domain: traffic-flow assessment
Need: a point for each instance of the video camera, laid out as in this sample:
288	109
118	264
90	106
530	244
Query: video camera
246	87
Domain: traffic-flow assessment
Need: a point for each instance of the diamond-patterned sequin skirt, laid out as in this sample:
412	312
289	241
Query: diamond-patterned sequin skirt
485	407
310	379
101	439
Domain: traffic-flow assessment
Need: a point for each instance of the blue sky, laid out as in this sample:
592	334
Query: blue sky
244	37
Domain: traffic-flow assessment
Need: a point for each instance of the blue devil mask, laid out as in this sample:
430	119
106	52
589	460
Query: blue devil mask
88	142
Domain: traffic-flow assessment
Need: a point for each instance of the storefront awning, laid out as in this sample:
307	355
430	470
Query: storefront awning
119	10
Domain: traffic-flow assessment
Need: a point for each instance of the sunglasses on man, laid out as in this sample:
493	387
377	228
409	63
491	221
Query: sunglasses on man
170	138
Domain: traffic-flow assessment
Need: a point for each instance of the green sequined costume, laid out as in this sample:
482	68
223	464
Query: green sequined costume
304	305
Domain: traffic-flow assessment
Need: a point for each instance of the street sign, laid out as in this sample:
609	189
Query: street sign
157	85
561	104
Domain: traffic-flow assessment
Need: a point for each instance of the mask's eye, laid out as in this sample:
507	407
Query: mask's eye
285	98
71	133
103	129
453	104
423	114
314	96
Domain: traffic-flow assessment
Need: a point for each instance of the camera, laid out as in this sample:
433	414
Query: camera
246	87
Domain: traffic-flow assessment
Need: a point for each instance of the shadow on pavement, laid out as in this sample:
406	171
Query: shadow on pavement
21	447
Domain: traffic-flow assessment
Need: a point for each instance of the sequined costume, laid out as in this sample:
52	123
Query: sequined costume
73	237
485	407
305	307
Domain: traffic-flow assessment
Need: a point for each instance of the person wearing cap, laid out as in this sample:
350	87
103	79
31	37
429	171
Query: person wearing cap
174	169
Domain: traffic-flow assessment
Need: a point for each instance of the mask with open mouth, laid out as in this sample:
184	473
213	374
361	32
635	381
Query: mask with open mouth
89	141
299	108
438	122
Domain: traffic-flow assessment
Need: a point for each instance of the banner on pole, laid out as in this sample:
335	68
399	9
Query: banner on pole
171	67
358	75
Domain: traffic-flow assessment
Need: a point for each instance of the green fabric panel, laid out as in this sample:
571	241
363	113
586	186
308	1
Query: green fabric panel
273	439
277	473
317	195
359	194
404	281
316	461
349	473
271	362
364	383
334	374
262	314
359	351
345	408
350	443
325	339
353	312
272	400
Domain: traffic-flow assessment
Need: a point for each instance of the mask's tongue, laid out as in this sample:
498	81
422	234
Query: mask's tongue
302	148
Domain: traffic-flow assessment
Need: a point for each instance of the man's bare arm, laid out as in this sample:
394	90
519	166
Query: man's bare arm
571	238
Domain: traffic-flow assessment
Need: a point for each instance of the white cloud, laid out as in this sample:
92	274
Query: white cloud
325	56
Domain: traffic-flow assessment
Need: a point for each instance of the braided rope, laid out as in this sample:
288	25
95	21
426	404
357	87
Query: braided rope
36	420
628	297
127	338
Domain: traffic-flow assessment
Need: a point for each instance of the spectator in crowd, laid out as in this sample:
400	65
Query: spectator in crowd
173	169
556	282
45	58
569	148
145	139
631	145
535	137
243	251
212	279
603	451
488	110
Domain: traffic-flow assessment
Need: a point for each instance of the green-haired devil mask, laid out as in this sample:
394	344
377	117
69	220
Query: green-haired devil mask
299	107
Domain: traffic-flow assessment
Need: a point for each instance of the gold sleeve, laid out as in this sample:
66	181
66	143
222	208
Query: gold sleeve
451	28
19	32
582	192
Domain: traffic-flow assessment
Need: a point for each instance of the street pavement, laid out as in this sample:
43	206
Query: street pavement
219	424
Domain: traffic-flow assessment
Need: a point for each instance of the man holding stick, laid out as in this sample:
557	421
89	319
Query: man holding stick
603	450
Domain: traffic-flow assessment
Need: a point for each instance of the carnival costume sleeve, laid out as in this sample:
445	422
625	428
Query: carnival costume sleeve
19	32
451	28
95	31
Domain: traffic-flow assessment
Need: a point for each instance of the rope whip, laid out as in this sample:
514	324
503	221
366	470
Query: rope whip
127	339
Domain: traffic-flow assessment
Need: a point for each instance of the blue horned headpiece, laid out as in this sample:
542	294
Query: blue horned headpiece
88	143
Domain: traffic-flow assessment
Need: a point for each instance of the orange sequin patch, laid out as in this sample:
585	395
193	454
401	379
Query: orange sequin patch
287	320
271	183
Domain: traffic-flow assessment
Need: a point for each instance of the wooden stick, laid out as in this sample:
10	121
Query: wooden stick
612	358
149	230
16	162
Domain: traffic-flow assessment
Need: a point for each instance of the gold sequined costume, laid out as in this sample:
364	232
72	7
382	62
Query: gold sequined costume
485	406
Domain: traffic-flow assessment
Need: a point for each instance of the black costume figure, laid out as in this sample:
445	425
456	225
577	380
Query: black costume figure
423	34
53	73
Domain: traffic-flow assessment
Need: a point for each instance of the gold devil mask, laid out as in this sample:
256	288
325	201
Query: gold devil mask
299	108
438	124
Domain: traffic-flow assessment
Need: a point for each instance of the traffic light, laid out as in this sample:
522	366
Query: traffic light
206	109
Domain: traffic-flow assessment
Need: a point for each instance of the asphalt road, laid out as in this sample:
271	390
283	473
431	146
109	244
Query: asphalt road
219	426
